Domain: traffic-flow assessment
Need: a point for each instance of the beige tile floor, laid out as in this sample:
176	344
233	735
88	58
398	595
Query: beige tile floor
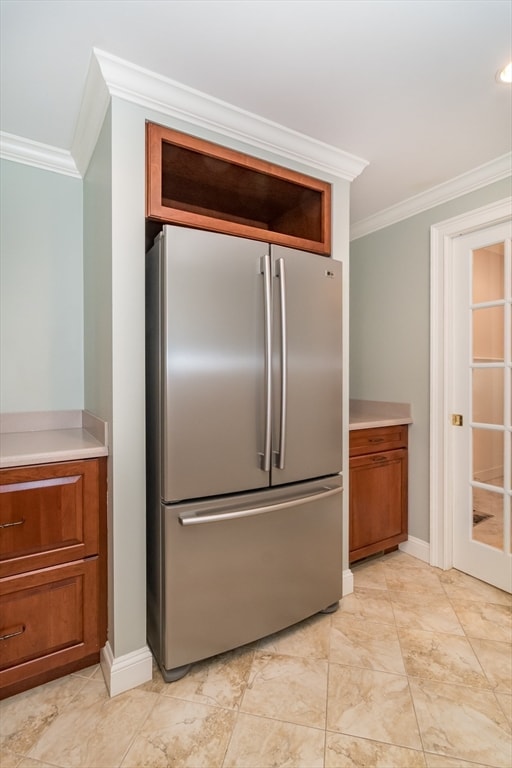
415	669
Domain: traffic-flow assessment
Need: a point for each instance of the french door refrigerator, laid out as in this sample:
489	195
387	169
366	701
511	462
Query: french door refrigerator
244	435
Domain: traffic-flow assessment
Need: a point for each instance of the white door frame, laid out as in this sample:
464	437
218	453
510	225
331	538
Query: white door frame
441	251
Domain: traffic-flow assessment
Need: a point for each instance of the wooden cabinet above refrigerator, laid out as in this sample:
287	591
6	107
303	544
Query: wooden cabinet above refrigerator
195	183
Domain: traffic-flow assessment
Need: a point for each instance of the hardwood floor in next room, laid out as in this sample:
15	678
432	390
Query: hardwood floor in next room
415	669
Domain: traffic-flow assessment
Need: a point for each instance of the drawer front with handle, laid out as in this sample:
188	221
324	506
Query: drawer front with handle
48	515
44	612
376	439
223	561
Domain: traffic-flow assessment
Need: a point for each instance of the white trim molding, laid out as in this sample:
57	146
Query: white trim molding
416	548
95	102
125	672
442	236
347	582
110	76
117	77
28	152
497	169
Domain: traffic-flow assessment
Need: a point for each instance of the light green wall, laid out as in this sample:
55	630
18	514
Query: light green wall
128	378
41	320
98	311
390	328
98	278
341	252
114	189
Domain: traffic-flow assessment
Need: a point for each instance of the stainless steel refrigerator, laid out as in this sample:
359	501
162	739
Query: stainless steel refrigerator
244	436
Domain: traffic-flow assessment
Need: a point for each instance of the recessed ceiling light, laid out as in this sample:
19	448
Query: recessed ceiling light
505	74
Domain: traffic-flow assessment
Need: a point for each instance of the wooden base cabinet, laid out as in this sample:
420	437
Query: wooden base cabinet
52	571
378	490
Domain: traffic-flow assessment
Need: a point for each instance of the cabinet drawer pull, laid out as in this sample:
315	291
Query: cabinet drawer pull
379	458
12	525
13	634
376	440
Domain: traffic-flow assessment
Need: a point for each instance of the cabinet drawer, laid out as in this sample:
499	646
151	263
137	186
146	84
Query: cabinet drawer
49	514
363	441
48	611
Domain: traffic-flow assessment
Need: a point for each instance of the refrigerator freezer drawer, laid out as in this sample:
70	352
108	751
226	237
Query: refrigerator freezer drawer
243	568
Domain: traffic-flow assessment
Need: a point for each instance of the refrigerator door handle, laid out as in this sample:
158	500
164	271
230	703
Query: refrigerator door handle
214	517
280	274
267	293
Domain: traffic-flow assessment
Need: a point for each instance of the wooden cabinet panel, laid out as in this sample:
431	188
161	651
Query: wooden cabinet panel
377	485
53	601
46	611
378	490
377	439
42	515
200	184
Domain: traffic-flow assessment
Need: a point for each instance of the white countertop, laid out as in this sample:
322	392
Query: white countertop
366	414
47	437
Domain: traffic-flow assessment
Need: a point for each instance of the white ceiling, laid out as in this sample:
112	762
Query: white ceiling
408	85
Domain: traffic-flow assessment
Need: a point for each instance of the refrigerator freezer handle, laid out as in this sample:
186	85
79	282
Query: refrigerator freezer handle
280	274
267	293
215	517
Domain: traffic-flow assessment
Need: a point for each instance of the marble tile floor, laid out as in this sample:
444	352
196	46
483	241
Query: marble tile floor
414	669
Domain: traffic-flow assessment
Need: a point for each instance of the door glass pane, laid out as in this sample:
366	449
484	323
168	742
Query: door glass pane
508	500
488	334
488	456
488	273
488	395
488	517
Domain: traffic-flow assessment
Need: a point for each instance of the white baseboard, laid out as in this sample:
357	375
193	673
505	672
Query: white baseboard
125	672
416	548
348	582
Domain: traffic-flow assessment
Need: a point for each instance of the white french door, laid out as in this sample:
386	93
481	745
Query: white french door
481	404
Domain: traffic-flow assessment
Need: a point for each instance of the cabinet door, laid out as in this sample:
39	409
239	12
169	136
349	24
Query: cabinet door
378	501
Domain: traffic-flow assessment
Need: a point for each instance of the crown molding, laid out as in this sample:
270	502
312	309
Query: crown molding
168	97
38	155
95	102
495	170
110	76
